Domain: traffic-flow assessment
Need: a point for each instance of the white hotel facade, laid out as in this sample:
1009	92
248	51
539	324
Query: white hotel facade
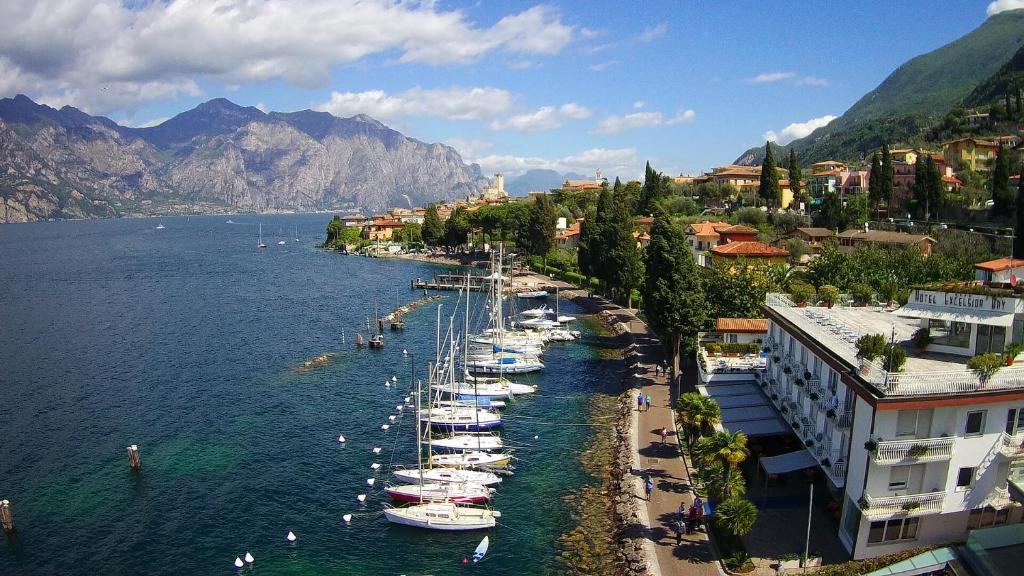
917	457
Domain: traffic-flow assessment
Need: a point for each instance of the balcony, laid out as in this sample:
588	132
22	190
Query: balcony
909	505
920	450
844	419
1010	445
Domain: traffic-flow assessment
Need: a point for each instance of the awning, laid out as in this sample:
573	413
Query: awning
790	462
745	409
989	317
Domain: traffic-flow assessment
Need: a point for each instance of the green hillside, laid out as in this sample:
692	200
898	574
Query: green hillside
916	94
1008	78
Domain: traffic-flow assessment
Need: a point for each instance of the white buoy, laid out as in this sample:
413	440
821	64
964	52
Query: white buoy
394	378
400	407
405	352
371	481
376	450
341	439
291	537
361	497
408	399
248	558
238	562
385	427
535	437
392	418
347	518
374	466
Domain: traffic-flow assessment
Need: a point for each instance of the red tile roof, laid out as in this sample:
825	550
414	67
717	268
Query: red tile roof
644	221
999	264
749	249
748	325
736	229
707	228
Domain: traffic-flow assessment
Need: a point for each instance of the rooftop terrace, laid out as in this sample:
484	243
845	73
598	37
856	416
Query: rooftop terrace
838	329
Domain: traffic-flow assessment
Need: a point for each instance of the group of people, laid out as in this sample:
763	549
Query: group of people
643	402
688	520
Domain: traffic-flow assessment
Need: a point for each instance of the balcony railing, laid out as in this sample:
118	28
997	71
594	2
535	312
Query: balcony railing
1010	445
909	505
910	383
844	419
921	450
837	470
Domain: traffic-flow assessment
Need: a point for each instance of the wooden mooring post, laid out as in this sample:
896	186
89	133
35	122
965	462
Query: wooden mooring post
133	458
6	520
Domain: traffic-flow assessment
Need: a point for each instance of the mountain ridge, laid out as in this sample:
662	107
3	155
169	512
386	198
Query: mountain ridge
217	156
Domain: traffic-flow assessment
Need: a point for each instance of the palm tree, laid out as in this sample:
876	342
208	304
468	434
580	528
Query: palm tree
696	412
728	448
711	480
736	516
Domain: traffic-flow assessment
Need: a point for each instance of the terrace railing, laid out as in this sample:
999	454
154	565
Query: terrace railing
909	505
919	450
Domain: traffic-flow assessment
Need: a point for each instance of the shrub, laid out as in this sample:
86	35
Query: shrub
917	450
922	338
911	506
1013	349
830	413
862	293
895	357
775	396
739	562
986	364
814	396
799	382
713	348
870	346
828	293
871	445
802	292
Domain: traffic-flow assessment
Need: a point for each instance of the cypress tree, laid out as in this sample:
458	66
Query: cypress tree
875	182
920	188
433	228
933	188
597	246
673	293
769	189
1018	233
888	185
1006	101
624	262
794	175
1002	201
1020	111
541	227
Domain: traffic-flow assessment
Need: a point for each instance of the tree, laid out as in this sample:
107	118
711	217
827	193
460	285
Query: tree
1018	233
875	182
673	292
695	412
541	228
410	233
888	185
655	187
597	250
1002	200
456	229
736	516
624	264
587	249
728	448
769	189
433	228
737	289
794	175
928	191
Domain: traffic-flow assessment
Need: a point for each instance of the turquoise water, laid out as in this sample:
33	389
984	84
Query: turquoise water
189	342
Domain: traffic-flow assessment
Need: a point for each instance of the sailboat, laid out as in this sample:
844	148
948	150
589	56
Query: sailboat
261	244
472	459
445	515
296	233
160	226
377	340
500	361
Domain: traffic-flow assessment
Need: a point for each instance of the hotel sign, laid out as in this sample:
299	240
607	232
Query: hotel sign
956	301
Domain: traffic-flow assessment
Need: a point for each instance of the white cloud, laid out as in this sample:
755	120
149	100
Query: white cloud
614	124
602	66
542	119
110	54
261	107
610	161
812	81
455	103
769	77
639	104
797	130
652	33
1003	5
469	148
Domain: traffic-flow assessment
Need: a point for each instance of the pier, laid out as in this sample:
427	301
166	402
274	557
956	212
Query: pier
477	282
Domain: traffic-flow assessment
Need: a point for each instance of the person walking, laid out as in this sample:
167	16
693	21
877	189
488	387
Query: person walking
640	402
691	523
648	486
700	514
664	435
647	403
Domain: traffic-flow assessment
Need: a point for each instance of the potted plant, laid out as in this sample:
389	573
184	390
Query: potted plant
830	413
826	463
775	396
787	370
1011	352
784	409
869	347
829	294
863	503
911	506
871	446
986	365
800	382
809	443
895	357
862	294
807	375
776	358
802	293
921	339
917	451
814	396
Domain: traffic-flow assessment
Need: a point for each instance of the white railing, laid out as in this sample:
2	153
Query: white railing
838	469
843	419
731	364
920	450
909	505
1011	444
956	381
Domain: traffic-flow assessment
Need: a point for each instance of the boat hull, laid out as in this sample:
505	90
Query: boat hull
413	475
440	492
421	516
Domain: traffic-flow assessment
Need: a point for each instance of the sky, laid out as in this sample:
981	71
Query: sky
574	86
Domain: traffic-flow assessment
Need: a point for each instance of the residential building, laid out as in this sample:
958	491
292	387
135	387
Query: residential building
999	270
569	237
741	330
814	237
854	237
702	237
827	166
585	185
355	220
739	241
917	456
381	228
975	153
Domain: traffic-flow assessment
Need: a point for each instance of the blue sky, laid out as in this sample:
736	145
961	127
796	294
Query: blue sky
573	86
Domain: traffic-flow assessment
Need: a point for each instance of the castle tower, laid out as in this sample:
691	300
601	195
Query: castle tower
499	183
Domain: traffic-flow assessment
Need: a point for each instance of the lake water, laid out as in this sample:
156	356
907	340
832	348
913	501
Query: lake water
188	341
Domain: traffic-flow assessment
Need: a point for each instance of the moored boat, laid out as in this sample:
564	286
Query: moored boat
472	459
448	475
443	516
460	493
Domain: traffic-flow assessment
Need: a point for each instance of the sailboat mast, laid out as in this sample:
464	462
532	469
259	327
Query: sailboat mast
419	433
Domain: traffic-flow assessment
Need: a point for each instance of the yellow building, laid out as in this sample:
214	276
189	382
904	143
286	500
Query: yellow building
976	154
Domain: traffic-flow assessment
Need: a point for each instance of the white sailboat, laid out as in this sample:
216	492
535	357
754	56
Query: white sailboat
458	492
451	475
472	459
482	442
296	233
260	244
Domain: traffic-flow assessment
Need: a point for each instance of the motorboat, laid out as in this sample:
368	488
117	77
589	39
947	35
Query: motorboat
533	294
536	312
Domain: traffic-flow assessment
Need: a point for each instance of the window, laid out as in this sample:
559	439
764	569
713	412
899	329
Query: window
965	477
987	516
975	423
891	530
731	338
948	333
1014	421
913	423
898	477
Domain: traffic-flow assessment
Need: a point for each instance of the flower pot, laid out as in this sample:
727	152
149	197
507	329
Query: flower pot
801	305
1009	360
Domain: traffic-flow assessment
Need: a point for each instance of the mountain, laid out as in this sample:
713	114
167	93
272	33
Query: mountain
916	94
538	179
216	157
1009	78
